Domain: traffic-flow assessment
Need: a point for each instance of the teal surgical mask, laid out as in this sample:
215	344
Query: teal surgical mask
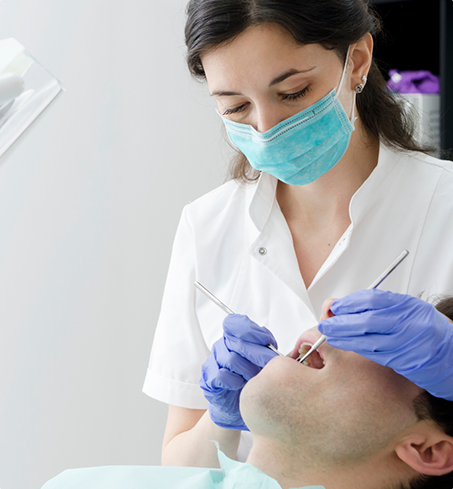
302	148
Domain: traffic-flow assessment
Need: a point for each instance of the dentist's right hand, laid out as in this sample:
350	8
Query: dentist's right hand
236	357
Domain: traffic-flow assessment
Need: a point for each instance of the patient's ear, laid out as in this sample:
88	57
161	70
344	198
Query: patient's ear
429	451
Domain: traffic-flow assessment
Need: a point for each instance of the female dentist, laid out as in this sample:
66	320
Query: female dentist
328	187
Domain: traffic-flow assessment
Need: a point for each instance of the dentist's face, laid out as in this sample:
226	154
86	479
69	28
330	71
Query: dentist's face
343	408
263	77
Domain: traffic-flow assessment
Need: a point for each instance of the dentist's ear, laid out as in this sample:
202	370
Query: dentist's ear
361	57
429	451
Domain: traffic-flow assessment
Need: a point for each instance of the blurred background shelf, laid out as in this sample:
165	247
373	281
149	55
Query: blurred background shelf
418	35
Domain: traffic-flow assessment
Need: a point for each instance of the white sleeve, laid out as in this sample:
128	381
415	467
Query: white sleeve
179	348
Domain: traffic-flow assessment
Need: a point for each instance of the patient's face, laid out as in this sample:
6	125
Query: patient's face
348	410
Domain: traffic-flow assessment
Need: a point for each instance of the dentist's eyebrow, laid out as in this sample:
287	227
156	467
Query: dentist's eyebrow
289	73
277	80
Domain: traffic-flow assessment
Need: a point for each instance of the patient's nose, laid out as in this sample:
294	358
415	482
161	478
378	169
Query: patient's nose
326	312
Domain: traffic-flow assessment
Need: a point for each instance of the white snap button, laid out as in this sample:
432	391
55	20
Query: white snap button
262	251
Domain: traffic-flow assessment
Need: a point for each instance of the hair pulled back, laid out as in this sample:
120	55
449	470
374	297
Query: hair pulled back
335	24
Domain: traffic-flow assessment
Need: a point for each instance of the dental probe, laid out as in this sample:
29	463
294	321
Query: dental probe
225	308
374	285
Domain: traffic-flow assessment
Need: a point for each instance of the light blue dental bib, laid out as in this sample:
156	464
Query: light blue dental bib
300	149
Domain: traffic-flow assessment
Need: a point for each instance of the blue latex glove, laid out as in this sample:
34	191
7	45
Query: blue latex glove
237	357
399	331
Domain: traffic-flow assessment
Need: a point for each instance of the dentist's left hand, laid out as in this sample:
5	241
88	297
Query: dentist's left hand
398	331
236	357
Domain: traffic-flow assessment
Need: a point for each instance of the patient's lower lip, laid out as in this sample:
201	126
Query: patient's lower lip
317	361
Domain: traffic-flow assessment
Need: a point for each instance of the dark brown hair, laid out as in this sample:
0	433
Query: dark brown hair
335	24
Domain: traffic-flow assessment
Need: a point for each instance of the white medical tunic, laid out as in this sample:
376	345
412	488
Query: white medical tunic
236	242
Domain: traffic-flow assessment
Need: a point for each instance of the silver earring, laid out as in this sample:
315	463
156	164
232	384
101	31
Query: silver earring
359	88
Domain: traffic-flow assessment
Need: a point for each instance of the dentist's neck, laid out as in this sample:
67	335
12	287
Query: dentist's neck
326	200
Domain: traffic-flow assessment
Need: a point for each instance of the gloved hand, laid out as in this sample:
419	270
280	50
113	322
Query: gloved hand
399	331
237	357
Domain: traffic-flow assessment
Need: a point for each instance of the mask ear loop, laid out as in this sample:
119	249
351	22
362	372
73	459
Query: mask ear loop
353	119
344	71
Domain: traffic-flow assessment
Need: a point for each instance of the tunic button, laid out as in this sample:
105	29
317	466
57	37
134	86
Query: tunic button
262	251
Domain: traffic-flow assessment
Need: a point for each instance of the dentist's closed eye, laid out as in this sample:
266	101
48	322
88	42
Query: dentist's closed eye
235	110
284	96
295	96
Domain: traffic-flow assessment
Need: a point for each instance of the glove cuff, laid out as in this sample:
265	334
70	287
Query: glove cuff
221	420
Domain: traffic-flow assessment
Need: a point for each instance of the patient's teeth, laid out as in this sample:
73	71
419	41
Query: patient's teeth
304	347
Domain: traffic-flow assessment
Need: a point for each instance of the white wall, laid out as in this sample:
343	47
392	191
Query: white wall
89	204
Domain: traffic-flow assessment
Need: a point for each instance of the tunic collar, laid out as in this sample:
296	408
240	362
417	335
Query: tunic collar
263	193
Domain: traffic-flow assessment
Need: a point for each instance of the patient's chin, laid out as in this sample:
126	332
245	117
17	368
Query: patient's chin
261	404
256	405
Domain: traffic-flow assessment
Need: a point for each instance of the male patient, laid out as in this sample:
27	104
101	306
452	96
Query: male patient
344	422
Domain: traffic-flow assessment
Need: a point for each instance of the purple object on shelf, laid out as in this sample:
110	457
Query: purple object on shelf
413	82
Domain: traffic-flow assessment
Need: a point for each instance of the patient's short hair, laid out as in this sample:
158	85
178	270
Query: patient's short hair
428	407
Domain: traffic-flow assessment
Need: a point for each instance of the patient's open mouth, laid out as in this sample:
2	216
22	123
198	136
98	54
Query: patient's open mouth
314	360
